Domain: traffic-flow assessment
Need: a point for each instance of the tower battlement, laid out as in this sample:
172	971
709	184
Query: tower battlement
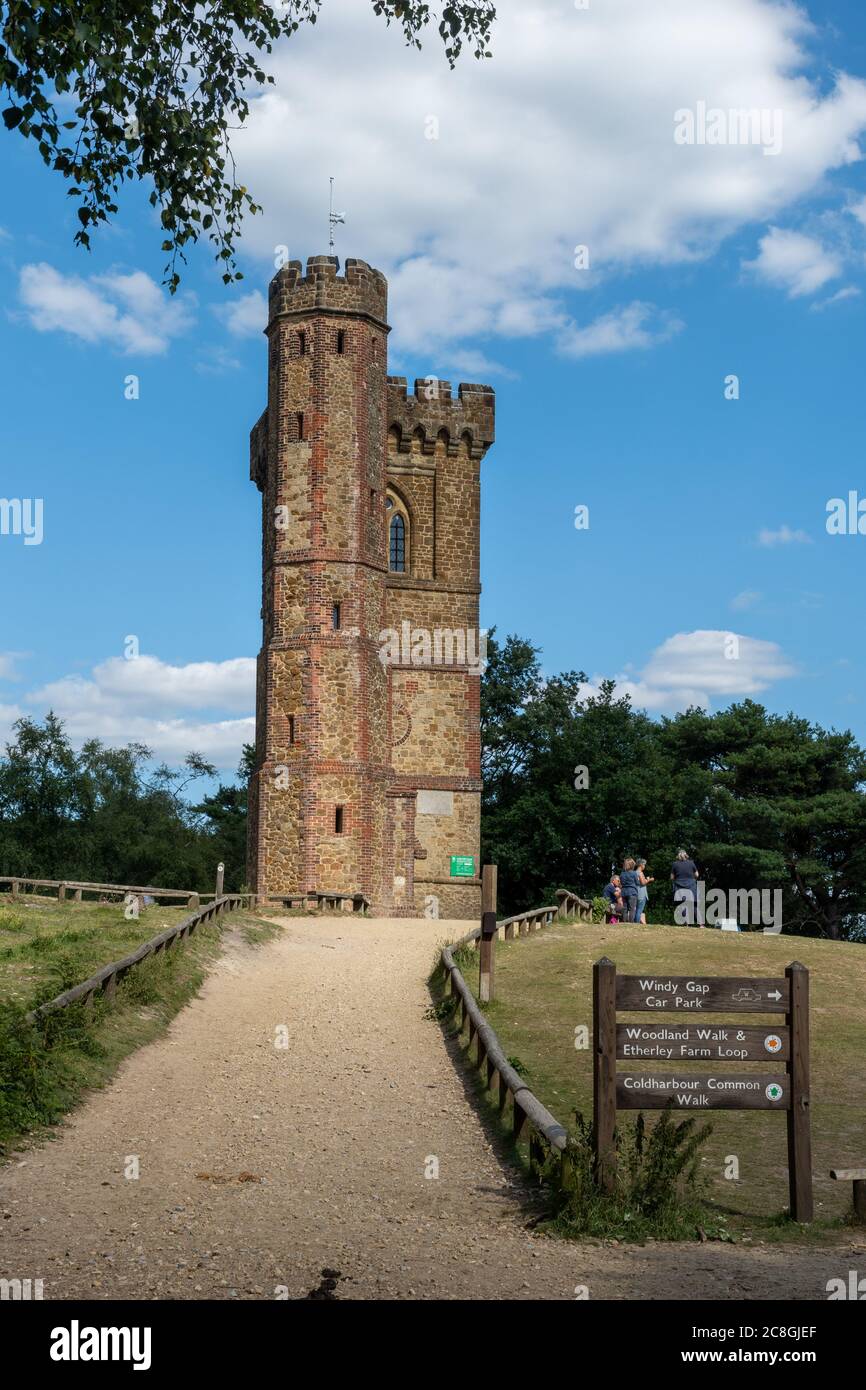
360	291
432	412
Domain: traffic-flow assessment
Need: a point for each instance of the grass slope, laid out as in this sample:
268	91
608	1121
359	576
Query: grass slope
47	946
544	992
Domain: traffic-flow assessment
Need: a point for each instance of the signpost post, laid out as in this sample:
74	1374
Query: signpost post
488	933
674	1039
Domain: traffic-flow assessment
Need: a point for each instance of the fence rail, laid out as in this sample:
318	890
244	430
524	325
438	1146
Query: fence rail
526	1105
524	923
319	901
105	980
77	887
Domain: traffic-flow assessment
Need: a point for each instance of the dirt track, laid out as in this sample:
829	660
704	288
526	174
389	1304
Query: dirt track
331	1136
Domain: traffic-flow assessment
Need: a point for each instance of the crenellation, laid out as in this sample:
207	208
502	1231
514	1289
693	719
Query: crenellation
433	414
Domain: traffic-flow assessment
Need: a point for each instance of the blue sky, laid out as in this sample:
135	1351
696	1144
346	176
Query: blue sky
707	515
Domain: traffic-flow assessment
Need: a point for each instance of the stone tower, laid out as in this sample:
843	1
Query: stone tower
367	776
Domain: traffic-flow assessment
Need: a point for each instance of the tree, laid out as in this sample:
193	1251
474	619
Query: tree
42	797
226	812
787	810
575	782
101	815
126	91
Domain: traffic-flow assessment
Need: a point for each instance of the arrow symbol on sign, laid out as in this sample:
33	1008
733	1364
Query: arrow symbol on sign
774	995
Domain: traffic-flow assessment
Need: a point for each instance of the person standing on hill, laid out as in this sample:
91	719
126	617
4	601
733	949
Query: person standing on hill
642	892
630	886
684	876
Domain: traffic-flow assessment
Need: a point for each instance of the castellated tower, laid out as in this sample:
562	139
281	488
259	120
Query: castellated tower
367	777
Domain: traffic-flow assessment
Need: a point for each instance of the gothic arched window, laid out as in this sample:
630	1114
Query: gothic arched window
397	539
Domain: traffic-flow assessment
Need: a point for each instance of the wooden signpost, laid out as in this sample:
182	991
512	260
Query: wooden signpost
487	954
680	1033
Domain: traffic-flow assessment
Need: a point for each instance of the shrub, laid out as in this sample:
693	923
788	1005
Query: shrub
658	1186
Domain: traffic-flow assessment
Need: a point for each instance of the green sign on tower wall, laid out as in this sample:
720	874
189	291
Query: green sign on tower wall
462	866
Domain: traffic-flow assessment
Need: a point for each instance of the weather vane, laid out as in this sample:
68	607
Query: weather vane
333	219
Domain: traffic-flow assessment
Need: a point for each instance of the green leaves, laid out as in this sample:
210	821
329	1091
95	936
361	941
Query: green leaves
184	69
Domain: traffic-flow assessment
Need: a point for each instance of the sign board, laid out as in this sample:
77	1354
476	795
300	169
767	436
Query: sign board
676	993
695	1042
462	866
680	1034
656	1090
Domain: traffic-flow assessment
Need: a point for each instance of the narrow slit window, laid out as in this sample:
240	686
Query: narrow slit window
291	728
338	820
341	341
302	344
335	616
300	423
397	533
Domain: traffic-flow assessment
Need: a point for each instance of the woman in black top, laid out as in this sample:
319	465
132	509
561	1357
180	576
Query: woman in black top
684	876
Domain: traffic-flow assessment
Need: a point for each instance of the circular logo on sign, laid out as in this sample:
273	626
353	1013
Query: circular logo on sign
773	1091
773	1043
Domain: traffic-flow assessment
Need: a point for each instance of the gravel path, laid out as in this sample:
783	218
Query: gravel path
261	1166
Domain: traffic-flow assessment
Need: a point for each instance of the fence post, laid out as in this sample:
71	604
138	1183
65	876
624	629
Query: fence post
604	1070
799	1125
488	933
221	868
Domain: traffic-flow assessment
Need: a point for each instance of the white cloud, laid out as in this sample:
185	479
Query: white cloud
146	700
695	668
246	317
858	210
216	359
747	598
564	138
849	292
146	683
783	536
794	262
636	325
9	665
127	311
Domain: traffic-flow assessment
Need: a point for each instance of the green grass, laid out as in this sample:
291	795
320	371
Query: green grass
544	992
45	947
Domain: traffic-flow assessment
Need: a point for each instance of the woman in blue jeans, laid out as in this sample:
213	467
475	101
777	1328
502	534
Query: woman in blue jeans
629	886
642	892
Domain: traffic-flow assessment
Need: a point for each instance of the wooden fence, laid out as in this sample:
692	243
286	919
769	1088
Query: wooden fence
105	980
19	884
545	1128
320	902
